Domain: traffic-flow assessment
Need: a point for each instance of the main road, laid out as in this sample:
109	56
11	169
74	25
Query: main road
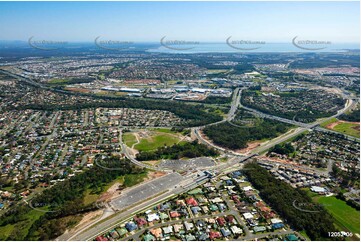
190	181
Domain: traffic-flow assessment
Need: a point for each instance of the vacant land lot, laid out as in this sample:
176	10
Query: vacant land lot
344	127
148	140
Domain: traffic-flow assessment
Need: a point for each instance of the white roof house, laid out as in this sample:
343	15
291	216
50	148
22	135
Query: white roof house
168	230
318	189
152	216
247	215
276	220
248	188
236	230
189	226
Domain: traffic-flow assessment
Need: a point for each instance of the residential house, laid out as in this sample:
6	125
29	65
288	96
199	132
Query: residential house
156	232
214	235
130	226
191	201
225	232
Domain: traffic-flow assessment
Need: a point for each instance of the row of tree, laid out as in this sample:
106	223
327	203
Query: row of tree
353	116
282	149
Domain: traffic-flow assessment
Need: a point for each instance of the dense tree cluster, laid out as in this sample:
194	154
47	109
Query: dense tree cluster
233	137
347	178
71	81
217	100
65	199
292	204
243	68
353	116
283	149
177	151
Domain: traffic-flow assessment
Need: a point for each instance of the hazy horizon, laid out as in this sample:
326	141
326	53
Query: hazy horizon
147	22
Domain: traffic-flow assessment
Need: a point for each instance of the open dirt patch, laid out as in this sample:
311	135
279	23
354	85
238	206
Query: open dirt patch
76	89
88	218
154	174
333	125
250	146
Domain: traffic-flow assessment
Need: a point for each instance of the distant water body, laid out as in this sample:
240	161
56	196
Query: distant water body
256	48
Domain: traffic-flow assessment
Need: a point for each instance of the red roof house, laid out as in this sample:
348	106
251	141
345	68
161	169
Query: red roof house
191	201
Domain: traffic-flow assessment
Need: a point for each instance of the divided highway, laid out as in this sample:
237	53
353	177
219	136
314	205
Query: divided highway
191	181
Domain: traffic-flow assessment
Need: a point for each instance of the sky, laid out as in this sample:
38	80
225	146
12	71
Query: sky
189	21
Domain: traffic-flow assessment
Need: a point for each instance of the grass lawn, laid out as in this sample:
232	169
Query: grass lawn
89	198
332	120
244	184
348	128
59	81
157	139
5	231
134	179
303	233
346	217
129	139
